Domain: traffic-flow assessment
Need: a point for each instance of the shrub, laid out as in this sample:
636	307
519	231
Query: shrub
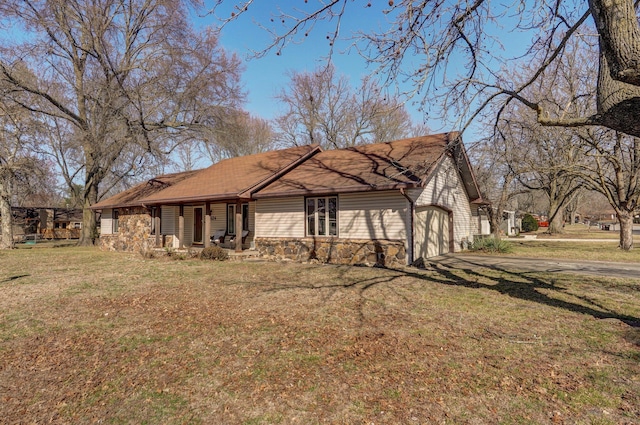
491	244
529	223
148	253
214	253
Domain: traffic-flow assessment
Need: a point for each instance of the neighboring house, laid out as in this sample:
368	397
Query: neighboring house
50	223
387	203
509	225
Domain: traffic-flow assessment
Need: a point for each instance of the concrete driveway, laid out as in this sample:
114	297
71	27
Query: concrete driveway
596	268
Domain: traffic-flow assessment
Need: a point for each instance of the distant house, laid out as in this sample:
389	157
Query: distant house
387	203
47	223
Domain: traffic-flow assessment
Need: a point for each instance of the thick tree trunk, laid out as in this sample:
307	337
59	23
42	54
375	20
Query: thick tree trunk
626	230
618	103
619	72
556	218
89	225
556	225
619	32
495	219
7	219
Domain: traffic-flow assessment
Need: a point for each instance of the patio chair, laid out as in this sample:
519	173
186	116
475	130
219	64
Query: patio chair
245	233
218	236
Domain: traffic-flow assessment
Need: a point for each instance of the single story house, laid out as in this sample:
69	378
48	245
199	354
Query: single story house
387	203
46	222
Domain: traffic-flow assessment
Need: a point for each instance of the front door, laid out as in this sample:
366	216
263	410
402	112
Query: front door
197	225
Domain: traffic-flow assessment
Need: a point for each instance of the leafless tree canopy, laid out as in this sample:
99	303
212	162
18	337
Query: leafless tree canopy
22	170
322	107
238	133
452	53
562	161
118	80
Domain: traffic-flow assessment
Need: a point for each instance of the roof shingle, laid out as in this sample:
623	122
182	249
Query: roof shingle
401	163
133	196
228	179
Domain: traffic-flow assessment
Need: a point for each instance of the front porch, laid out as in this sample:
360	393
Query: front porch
178	227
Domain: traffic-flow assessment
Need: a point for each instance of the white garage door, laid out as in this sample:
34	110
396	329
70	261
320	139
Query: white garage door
431	232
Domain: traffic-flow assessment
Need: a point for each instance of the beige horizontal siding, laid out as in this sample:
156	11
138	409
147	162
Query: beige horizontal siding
283	217
106	222
169	217
218	217
373	215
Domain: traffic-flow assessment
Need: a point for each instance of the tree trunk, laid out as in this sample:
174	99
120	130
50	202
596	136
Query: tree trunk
618	103
572	216
7	218
495	219
617	26
556	225
626	230
89	225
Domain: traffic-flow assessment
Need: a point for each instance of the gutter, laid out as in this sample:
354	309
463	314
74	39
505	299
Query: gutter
412	208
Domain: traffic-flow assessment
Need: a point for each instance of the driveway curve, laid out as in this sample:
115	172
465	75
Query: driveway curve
594	268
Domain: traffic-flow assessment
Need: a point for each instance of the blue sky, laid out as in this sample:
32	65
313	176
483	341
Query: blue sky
266	76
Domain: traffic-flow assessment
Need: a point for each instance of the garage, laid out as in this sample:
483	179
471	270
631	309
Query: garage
432	232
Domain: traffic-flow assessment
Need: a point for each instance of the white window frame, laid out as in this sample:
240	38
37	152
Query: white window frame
231	218
317	215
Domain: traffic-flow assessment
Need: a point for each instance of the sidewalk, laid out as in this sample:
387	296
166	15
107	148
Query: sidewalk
595	268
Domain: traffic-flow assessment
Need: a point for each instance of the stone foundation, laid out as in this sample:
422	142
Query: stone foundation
335	251
134	232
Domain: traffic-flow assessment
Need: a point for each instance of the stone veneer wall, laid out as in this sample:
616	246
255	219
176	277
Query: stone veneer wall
334	250
134	232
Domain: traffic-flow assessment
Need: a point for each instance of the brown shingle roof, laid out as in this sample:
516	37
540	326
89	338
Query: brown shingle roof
401	163
234	177
133	196
304	170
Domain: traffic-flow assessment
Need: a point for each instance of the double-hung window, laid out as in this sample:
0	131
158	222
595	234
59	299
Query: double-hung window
322	216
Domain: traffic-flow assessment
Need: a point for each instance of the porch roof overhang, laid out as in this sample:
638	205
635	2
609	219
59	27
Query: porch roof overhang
187	200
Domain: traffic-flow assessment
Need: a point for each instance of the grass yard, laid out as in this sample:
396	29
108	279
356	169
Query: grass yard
580	231
589	251
95	337
549	246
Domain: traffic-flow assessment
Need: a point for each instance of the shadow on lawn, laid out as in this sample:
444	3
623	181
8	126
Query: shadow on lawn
11	278
522	285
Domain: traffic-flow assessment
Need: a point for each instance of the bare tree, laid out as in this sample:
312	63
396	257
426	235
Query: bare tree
544	158
547	166
424	41
237	134
128	78
322	107
497	181
18	164
574	206
615	172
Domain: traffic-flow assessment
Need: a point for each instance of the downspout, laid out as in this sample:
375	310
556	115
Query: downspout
410	233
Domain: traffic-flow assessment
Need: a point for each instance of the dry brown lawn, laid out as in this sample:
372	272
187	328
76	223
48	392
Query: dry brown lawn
94	337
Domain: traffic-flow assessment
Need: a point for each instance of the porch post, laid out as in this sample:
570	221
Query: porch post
207	225
238	226
181	227
156	218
